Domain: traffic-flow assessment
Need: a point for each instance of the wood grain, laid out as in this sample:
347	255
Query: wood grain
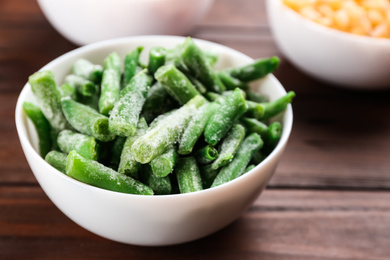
281	224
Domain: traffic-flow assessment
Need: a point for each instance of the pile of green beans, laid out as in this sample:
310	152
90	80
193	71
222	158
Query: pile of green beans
173	125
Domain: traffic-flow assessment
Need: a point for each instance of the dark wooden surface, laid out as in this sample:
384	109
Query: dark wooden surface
329	197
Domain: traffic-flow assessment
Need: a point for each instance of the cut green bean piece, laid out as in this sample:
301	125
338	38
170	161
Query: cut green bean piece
253	125
156	59
160	185
255	110
165	133
250	167
256	97
126	112
88	70
230	82
237	166
48	98
196	127
110	86
192	58
57	160
98	175
85	145
229	146
188	175
256	70
86	120
116	151
272	137
206	155
232	108
112	61
164	164
131	64
176	83
208	175
128	165
83	86
67	90
140	82
42	126
273	108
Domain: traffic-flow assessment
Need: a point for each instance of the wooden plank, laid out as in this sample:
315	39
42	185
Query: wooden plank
280	225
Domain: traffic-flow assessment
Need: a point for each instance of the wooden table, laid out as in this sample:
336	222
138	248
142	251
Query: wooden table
329	197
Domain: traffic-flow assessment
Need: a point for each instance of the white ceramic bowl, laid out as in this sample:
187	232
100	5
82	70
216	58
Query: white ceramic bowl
327	54
150	220
88	21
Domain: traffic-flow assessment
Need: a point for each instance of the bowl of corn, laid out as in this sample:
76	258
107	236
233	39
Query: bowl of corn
345	43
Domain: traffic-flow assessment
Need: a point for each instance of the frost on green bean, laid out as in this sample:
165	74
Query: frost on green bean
166	133
48	98
86	120
96	174
85	145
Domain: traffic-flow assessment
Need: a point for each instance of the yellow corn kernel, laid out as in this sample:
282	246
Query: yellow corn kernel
341	19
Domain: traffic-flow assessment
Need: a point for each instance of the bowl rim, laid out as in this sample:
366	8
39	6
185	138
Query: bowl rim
347	36
22	128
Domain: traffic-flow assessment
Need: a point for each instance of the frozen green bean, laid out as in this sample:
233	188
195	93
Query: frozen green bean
196	127
156	59
128	165
192	58
273	108
126	112
206	155
67	90
237	166
98	175
110	86
256	70
48	98
86	146
57	160
131	64
160	185
176	83
230	82
86	120
42	126
83	86
166	133
229	146
232	108
164	164
256	97
188	175
88	70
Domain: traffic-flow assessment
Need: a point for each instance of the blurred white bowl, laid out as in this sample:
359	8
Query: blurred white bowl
87	21
150	220
327	54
